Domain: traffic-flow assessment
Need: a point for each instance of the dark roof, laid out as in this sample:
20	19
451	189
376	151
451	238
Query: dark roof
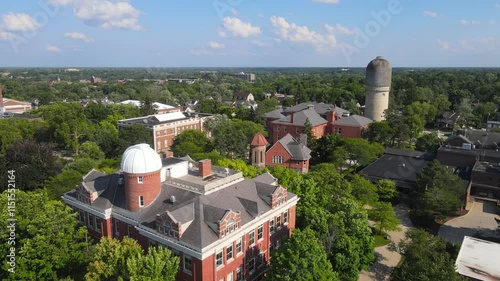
409	153
395	167
453	116
275	114
299	118
297	150
265	178
353	121
241	96
320	108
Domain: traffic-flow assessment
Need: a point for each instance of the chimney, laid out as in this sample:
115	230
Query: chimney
291	117
205	168
168	154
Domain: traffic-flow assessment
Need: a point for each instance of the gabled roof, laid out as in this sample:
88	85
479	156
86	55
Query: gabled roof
258	140
242	95
353	121
95	181
480	138
265	178
299	118
275	114
297	150
320	108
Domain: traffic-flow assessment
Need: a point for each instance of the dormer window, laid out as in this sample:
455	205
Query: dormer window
139	179
231	226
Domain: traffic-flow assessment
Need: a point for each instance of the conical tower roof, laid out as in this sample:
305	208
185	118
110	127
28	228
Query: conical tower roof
258	140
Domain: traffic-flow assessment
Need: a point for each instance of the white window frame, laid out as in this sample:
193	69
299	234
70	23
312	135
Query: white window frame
260	232
190	259
278	222
90	221
285	217
97	223
251	238
239	246
230	276
117	227
271	226
140	179
251	262
239	272
219	262
229	251
141	201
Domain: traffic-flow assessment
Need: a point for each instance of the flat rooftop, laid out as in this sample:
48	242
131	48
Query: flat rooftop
479	259
487	167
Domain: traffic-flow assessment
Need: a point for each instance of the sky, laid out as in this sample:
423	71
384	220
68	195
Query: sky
249	33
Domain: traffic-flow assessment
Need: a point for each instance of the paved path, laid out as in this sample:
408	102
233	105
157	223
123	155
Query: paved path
479	220
386	259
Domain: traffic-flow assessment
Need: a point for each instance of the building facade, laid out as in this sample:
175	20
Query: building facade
165	127
222	226
378	85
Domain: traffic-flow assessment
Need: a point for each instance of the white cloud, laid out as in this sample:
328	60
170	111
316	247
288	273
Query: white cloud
215	45
469	22
240	28
19	23
445	45
6	36
51	48
222	34
430	14
259	43
79	36
108	14
301	34
327	1
339	29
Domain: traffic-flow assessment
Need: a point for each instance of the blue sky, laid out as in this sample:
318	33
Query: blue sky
254	33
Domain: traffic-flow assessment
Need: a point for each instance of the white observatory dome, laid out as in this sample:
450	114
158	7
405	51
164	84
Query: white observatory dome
140	158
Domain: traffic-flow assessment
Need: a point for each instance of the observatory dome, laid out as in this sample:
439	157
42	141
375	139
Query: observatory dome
378	73
140	158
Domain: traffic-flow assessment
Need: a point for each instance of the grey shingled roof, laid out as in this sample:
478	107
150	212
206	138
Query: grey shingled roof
320	108
265	178
353	121
275	114
297	150
299	118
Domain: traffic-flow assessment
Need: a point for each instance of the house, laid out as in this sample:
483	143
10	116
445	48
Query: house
165	127
400	166
351	127
245	99
249	77
12	106
287	152
478	259
447	119
221	225
492	125
160	108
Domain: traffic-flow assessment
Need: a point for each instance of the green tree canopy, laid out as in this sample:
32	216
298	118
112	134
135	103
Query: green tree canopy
190	142
301	258
384	216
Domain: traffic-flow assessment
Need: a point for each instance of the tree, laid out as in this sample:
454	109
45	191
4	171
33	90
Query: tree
363	190
8	135
428	142
62	183
361	152
133	135
426	258
386	190
125	259
308	130
384	216
190	142
33	162
49	241
380	132
327	150
300	258
351	246
91	150
147	106
81	165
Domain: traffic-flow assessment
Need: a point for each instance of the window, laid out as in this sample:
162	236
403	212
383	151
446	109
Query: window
260	232
260	260
296	130
251	238
271	250
278	128
218	259
157	133
261	156
229	253
158	144
284	128
117	227
280	199
90	222
278	159
139	179
239	274
230	277
255	156
251	265
231	226
278	222
238	246
129	230
165	142
285	217
141	201
81	217
97	224
188	264
271	226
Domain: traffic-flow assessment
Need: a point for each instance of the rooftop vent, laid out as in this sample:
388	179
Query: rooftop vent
172	199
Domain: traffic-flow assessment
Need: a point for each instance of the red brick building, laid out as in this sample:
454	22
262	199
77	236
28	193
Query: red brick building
165	127
350	127
286	152
294	123
221	225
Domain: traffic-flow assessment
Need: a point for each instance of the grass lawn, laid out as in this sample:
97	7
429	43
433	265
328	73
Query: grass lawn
380	240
